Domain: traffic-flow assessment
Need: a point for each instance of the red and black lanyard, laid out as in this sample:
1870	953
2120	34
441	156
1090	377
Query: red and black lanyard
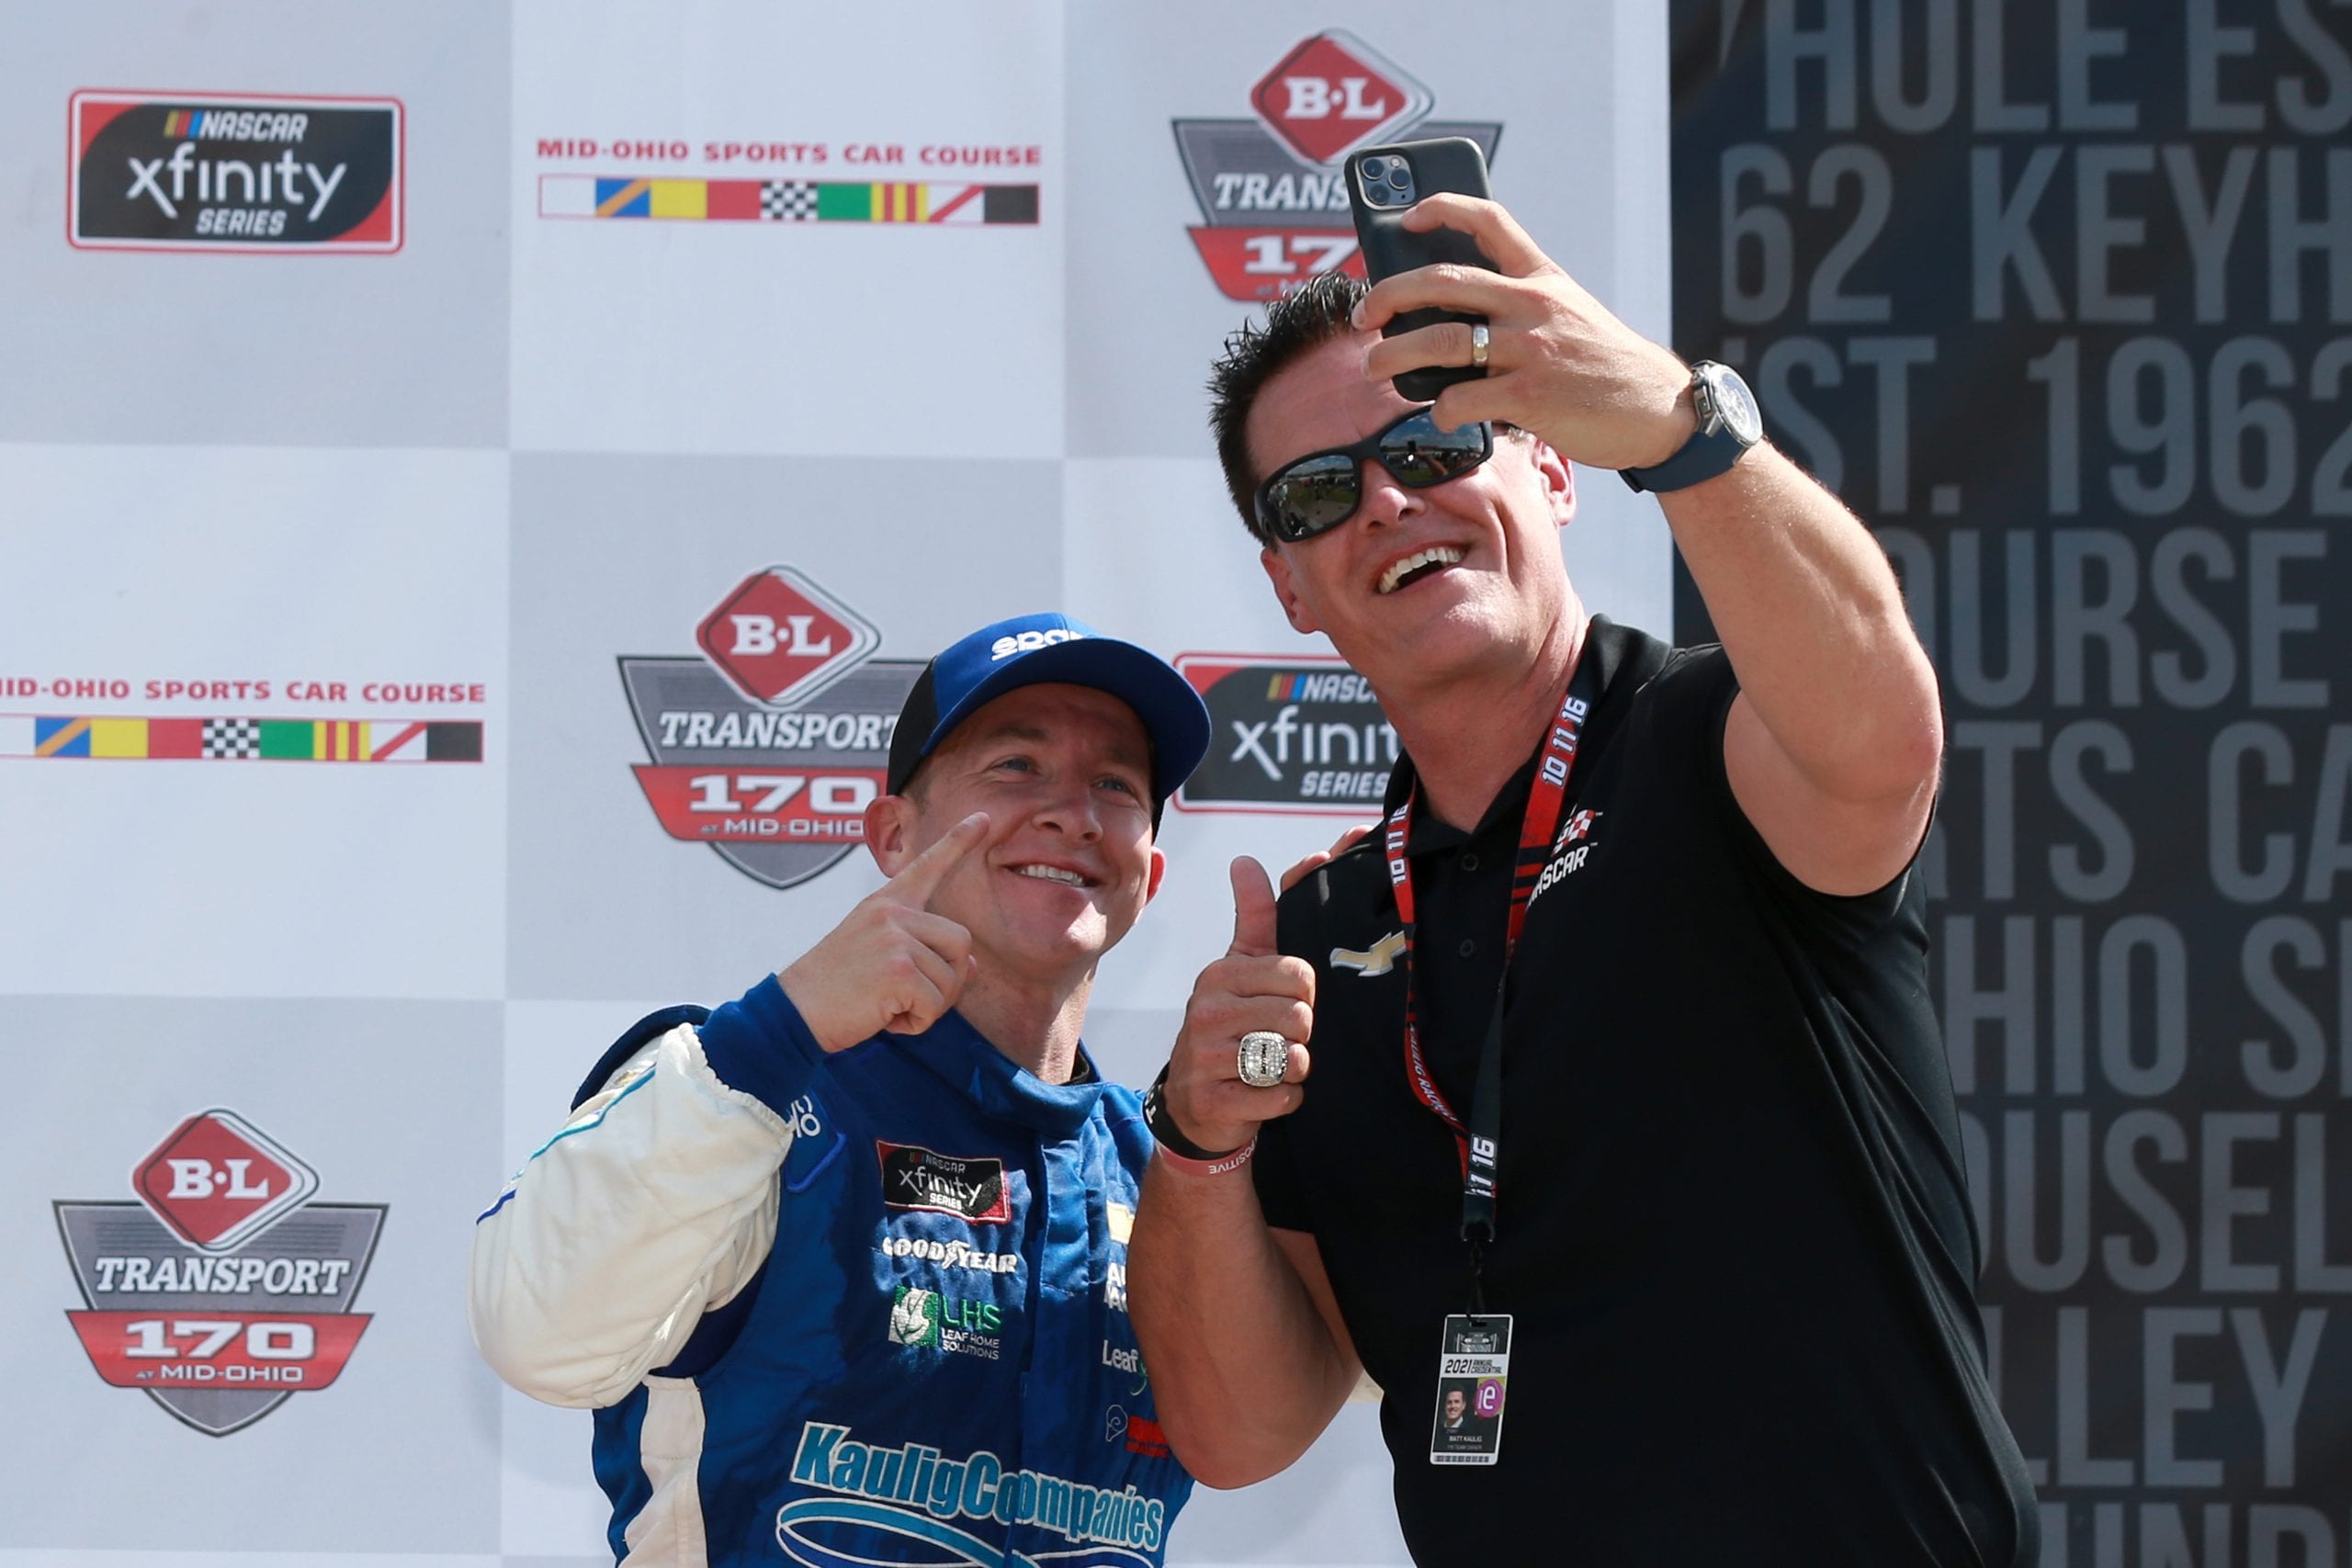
1480	1136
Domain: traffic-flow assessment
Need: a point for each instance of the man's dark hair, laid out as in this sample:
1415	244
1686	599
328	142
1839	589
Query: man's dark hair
1297	323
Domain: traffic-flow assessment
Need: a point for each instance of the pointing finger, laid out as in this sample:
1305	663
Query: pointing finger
921	878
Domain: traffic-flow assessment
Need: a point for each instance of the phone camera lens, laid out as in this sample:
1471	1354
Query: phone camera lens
1401	177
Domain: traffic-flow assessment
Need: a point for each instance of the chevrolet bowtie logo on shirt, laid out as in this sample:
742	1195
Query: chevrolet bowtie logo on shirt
1378	961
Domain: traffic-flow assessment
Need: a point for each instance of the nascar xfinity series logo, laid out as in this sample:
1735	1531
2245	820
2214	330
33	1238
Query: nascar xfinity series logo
1273	204
1295	736
769	747
971	1189
223	1289
156	171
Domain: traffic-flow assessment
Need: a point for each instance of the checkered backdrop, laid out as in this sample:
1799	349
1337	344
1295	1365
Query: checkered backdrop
420	428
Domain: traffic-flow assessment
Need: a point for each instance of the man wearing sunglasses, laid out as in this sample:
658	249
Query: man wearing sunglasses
1628	1103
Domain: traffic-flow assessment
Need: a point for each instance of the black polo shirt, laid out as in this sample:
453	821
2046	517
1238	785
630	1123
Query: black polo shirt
1732	1230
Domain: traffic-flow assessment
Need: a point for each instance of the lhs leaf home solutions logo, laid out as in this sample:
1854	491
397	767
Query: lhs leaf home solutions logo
769	746
1273	206
223	1290
254	171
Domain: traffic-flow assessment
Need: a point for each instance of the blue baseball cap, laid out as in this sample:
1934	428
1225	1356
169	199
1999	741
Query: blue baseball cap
1029	650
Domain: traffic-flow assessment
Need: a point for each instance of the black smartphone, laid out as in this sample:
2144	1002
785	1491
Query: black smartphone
1382	182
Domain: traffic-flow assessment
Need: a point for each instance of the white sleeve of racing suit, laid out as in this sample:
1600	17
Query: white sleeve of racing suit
655	1203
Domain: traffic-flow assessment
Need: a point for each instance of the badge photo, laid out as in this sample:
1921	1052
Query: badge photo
1473	1370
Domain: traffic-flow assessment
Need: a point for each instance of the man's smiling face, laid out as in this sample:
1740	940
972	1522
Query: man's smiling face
1418	585
1063	772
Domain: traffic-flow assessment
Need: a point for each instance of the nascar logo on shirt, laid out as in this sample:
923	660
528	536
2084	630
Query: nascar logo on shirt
916	1178
1574	847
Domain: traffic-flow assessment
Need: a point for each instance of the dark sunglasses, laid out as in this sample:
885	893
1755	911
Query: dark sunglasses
1317	492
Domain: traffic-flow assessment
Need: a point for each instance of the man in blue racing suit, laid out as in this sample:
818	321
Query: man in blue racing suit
841	1265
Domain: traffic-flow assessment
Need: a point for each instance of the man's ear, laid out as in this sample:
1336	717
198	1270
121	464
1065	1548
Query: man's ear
889	831
1559	479
1277	565
1151	878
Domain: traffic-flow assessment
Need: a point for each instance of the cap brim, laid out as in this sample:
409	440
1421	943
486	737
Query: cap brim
1172	713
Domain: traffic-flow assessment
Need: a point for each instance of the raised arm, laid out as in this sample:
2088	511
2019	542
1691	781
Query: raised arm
657	1202
1249	1359
1835	742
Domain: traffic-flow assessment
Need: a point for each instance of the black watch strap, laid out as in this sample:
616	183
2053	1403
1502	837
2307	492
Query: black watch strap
1728	427
1163	1126
1705	454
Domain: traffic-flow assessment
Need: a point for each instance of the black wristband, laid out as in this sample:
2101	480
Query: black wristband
1163	1126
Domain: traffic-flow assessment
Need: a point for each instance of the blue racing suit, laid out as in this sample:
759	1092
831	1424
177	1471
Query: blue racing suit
838	1310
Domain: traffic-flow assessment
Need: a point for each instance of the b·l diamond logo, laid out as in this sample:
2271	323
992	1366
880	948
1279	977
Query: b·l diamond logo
1271	187
782	639
217	1180
1334	94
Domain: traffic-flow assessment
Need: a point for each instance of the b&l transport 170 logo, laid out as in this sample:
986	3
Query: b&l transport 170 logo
1272	191
1298	736
222	1290
242	172
769	747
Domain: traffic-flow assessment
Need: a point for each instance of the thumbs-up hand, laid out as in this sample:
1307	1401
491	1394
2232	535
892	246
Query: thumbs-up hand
1253	912
891	965
1252	987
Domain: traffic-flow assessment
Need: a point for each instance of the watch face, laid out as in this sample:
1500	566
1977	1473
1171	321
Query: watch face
1733	403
